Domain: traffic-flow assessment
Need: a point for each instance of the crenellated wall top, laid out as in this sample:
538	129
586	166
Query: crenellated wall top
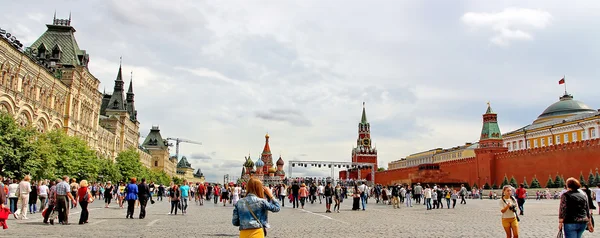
550	149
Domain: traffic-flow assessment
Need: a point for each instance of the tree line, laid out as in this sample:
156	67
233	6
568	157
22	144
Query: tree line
50	155
557	182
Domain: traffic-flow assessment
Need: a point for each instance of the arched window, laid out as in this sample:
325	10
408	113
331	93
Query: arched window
155	163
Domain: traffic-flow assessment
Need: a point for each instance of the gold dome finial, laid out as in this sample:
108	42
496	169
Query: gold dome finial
267	135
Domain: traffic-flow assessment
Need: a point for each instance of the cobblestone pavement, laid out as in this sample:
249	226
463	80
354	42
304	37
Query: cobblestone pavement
479	218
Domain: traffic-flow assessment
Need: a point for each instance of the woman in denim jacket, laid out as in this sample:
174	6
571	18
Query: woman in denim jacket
260	200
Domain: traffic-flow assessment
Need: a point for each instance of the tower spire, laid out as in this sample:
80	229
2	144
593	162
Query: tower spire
130	90
363	119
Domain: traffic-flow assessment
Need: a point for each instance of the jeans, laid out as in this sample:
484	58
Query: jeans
448	202
521	202
302	200
574	230
418	198
143	202
42	203
428	203
184	201
295	200
282	199
83	218
32	208
174	206
363	200
130	208
408	201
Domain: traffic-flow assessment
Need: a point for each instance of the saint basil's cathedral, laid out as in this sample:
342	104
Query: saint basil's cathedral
263	168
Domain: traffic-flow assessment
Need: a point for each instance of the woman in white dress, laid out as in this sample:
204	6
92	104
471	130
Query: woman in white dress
236	194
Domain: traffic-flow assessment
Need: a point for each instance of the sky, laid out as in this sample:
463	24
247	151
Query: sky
225	73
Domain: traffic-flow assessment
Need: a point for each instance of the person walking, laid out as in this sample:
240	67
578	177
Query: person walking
43	195
303	192
61	210
338	197
108	193
33	197
363	195
51	200
174	196
143	196
251	212
508	208
463	193
417	193
85	197
521	196
24	190
131	191
574	213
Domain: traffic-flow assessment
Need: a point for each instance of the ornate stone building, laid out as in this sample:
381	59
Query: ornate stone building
263	168
158	148
48	85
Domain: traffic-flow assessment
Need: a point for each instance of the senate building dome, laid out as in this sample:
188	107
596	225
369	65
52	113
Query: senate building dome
565	107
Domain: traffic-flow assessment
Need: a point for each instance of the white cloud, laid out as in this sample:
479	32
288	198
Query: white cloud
511	24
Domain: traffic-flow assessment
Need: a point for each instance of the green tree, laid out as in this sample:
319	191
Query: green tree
550	183
597	179
504	182
380	169
129	165
494	186
177	180
513	182
525	184
582	179
159	177
109	171
73	156
17	148
591	179
475	185
486	186
558	183
535	183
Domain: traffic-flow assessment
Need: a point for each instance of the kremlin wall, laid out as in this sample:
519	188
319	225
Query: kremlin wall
493	160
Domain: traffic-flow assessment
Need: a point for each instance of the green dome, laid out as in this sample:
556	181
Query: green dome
249	163
566	106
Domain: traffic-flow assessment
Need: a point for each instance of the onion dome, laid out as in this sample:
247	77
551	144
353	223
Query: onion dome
249	163
272	170
280	161
279	172
259	163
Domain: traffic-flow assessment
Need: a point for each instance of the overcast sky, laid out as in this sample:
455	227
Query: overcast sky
227	72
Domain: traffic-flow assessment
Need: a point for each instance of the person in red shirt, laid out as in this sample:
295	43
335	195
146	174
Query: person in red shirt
200	194
521	196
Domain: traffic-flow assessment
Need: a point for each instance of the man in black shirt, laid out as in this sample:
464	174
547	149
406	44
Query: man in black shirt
143	195
295	191
328	196
161	192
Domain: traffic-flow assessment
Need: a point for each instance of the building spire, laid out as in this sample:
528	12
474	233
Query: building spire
489	108
363	119
130	90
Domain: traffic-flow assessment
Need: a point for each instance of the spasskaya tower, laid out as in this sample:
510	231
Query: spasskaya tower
364	152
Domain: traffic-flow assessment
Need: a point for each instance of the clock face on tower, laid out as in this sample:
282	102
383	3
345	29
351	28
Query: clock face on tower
366	142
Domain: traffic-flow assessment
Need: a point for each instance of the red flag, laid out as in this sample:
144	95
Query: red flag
561	81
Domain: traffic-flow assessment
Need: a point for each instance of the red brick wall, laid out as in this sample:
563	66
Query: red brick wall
568	160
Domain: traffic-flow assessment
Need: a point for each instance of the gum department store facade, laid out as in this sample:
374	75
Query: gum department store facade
49	86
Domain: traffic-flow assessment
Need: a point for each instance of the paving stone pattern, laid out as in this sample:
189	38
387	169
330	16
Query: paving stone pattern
479	218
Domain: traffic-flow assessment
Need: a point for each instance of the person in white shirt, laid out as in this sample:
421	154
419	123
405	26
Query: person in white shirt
363	195
427	193
236	194
24	190
13	197
43	195
321	191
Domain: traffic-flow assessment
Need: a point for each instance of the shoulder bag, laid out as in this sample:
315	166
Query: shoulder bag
254	215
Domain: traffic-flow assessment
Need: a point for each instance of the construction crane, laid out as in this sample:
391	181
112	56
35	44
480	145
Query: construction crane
179	140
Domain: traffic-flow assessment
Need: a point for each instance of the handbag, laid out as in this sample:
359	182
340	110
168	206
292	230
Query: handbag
4	212
560	234
254	215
